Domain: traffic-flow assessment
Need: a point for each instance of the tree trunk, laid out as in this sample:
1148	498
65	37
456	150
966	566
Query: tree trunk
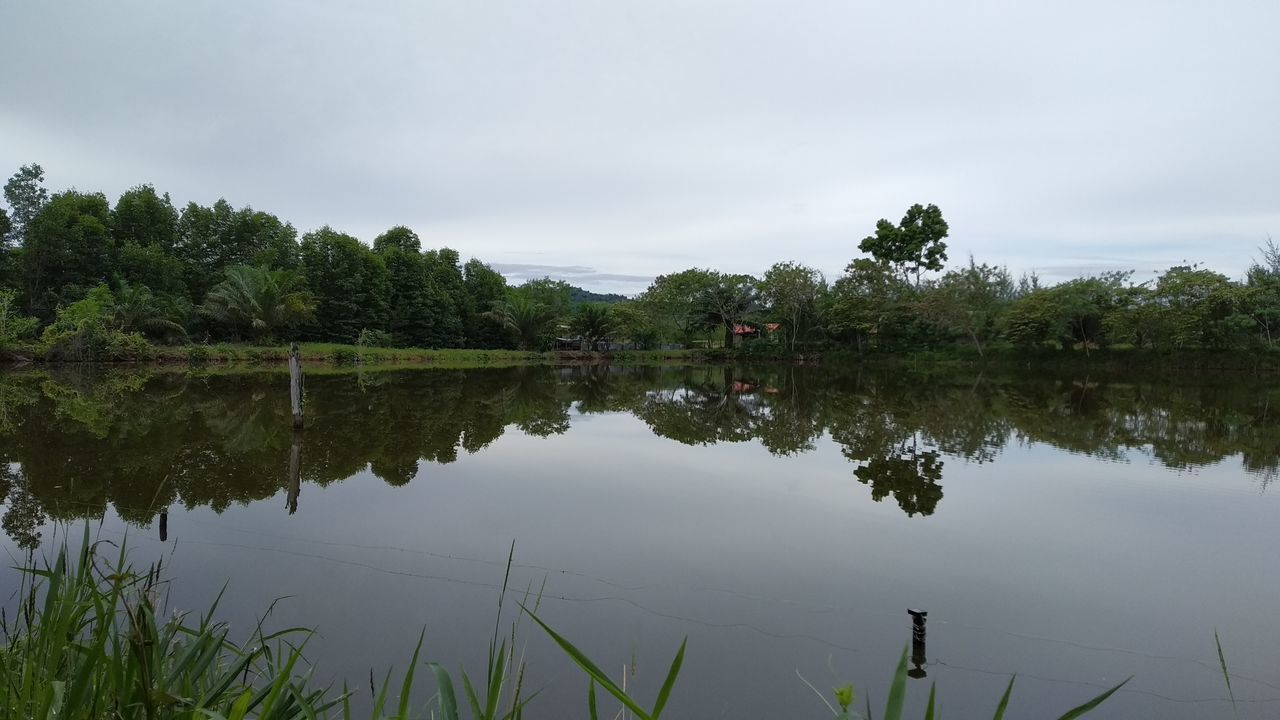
295	385
728	336
977	344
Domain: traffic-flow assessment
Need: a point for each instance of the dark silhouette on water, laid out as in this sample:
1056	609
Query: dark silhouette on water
918	659
295	469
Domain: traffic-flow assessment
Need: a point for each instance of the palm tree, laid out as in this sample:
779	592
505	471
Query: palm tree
258	300
136	309
593	322
526	319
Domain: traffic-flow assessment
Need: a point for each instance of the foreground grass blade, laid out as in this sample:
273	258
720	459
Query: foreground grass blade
448	701
928	711
1004	700
667	684
407	686
473	699
897	690
590	668
1074	713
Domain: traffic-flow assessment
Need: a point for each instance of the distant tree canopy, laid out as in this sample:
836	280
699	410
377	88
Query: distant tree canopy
912	246
218	272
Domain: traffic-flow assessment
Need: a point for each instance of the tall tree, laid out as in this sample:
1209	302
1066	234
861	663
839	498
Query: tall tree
26	195
1261	297
728	302
144	218
968	302
68	250
6	258
793	293
674	300
913	245
483	287
409	317
634	323
398	238
145	228
446	299
1199	308
350	284
867	302
1083	311
211	239
556	295
152	266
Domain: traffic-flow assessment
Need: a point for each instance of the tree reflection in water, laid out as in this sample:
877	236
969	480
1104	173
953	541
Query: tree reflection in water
73	443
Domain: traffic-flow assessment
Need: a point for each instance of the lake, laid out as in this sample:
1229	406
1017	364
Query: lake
1074	529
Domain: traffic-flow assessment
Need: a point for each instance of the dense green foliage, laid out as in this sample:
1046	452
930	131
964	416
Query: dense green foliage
218	273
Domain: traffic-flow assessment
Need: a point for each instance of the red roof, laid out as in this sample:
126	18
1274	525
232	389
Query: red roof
743	330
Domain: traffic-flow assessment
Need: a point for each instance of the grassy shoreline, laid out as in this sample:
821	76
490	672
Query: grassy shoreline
1117	359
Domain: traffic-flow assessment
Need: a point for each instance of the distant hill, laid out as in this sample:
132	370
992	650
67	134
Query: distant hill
578	296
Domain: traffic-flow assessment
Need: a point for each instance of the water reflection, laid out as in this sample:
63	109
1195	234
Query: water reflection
72	444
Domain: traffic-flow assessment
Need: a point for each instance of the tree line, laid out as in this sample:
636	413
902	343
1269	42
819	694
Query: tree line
81	278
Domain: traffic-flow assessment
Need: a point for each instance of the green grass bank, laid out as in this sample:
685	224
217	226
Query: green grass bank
1116	359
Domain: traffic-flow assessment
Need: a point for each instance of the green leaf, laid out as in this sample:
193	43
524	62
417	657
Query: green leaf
665	692
448	702
407	685
474	700
928	711
240	707
1004	699
897	690
1081	710
595	673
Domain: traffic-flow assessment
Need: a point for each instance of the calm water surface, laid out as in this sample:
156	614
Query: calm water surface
1075	530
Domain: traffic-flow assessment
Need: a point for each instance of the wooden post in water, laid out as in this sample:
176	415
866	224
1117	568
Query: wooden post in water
164	525
295	385
918	658
295	472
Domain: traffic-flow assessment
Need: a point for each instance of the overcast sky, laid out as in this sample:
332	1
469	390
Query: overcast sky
607	141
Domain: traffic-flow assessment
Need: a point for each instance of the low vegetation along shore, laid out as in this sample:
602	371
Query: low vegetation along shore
90	638
1002	357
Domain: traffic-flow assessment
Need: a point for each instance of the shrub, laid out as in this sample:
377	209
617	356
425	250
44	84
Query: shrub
344	356
198	354
122	346
375	338
15	329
